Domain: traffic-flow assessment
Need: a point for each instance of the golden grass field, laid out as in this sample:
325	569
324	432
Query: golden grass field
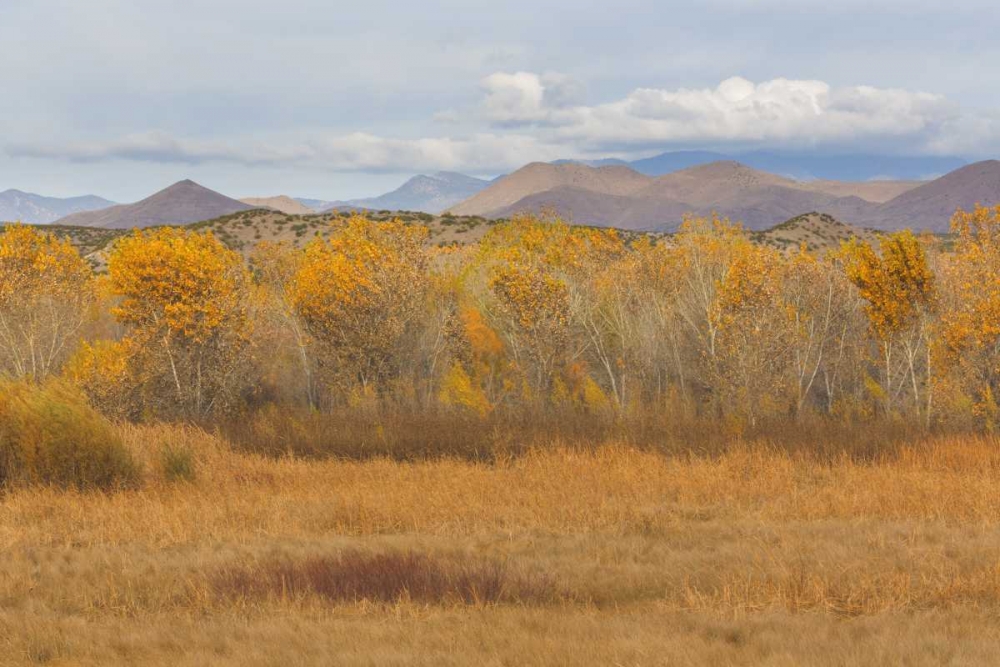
614	557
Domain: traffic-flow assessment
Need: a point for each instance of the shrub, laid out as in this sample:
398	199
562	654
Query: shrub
177	464
50	435
385	578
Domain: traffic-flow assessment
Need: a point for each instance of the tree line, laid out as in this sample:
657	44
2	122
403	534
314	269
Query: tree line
539	315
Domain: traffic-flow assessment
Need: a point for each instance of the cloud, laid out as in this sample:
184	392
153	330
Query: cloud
523	117
778	112
481	153
525	98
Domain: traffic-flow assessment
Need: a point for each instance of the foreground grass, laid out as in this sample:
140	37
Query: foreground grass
609	556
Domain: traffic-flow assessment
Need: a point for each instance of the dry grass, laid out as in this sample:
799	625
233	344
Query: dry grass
606	554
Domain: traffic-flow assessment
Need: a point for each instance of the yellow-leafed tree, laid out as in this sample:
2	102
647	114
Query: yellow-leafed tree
898	287
970	337
358	293
46	294
184	300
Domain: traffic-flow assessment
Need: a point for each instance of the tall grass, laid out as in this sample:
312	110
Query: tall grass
407	434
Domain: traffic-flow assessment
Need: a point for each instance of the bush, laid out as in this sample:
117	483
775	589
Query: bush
385	578
50	435
178	464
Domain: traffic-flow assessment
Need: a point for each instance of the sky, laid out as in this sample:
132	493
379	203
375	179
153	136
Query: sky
335	100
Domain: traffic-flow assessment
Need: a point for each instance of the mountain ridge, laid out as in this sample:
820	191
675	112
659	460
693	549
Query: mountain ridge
756	198
28	207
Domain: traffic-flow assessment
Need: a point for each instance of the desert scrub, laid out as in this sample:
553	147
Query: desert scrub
49	435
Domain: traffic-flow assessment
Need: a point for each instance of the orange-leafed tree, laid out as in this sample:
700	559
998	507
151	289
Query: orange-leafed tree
185	301
533	309
899	290
755	332
358	294
970	337
46	295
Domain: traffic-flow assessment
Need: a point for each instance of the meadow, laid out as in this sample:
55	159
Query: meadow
572	553
555	446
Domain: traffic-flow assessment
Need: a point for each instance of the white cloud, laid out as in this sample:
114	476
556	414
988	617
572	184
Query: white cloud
525	98
783	112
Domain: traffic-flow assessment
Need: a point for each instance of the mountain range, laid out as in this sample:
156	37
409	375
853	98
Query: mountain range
802	167
182	203
619	196
17	206
610	195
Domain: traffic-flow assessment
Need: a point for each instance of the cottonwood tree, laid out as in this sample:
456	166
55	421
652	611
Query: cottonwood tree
358	293
275	266
532	306
46	296
898	287
755	330
186	304
970	337
826	315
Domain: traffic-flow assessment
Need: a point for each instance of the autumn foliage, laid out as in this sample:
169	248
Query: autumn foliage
538	316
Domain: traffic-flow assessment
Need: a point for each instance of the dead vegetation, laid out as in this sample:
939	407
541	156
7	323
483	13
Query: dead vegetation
583	552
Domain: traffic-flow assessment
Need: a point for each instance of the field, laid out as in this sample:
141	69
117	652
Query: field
599	553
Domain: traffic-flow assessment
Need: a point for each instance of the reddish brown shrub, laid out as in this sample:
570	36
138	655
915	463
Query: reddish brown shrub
352	576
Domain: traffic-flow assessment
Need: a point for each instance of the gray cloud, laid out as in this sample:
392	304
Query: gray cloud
136	89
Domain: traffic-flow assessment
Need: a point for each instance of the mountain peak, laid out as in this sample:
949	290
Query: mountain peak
182	203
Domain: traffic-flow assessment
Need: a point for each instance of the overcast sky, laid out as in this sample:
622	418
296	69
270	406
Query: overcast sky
330	99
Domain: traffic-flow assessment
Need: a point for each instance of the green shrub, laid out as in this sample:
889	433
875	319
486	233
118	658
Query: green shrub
177	463
50	435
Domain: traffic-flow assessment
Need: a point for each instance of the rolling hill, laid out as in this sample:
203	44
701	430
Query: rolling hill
18	206
181	203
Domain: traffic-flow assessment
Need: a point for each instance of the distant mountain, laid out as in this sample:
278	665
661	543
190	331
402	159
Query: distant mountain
755	198
931	205
854	167
281	203
17	206
802	167
427	194
605	162
539	177
666	163
620	197
313	204
181	203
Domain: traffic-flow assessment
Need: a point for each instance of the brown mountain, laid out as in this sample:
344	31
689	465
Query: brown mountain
931	205
281	203
873	191
756	198
620	198
181	203
539	177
